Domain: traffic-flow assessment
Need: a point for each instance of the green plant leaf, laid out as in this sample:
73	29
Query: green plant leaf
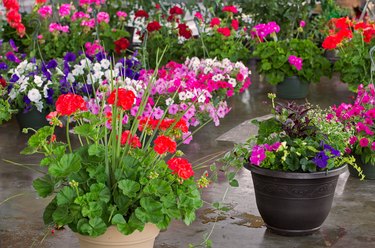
234	183
48	212
68	164
65	196
92	210
62	216
44	186
94	227
129	188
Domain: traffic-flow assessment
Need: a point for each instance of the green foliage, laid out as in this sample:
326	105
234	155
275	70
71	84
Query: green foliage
274	63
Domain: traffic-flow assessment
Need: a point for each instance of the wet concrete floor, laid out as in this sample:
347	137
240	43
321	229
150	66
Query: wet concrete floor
351	222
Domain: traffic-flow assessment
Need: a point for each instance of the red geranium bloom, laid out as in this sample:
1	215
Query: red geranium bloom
140	13
342	23
153	26
368	34
3	83
184	31
133	140
11	4
121	45
344	34
181	167
331	42
235	24
20	28
13	16
164	144
125	98
175	10
231	9
215	22
224	31
70	103
360	26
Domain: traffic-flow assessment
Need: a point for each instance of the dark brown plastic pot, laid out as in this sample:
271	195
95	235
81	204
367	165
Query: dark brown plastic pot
292	88
32	119
294	204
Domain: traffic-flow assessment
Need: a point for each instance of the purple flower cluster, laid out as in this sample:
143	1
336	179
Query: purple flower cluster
322	157
262	30
258	153
295	61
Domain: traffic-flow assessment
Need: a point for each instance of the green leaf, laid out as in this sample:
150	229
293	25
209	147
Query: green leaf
48	211
234	183
94	227
44	186
158	187
96	150
92	210
68	164
86	130
65	196
129	188
61	216
266	66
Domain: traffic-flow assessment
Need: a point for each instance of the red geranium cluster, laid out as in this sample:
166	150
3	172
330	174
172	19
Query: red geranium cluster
181	167
140	13
121	45
343	29
133	140
153	26
68	104
231	9
175	10
224	31
163	144
184	31
13	16
125	98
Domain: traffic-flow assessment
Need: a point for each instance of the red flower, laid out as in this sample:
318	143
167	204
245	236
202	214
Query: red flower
235	24
70	103
231	9
3	83
368	34
181	167
215	22
184	31
164	144
175	10
20	28
13	16
132	140
125	98
121	45
140	13
157	6
11	4
360	26
342	23
331	42
153	26
344	34
224	31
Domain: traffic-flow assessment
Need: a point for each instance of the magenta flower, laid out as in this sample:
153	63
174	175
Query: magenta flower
295	61
64	9
352	140
45	11
363	142
373	146
121	15
103	17
302	24
257	155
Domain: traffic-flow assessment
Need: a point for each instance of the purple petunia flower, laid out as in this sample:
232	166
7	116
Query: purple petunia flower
333	151
13	45
52	64
3	66
12	57
321	159
70	57
14	78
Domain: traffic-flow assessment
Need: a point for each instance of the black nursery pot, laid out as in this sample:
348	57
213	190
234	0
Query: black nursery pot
32	119
294	204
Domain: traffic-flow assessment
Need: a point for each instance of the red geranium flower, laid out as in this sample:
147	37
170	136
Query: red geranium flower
3	83
175	10
70	103
13	16
153	26
40	2
231	9
368	34
140	13
11	4
184	31
20	28
331	42
235	24
125	98
342	23
164	144
181	167
121	45
133	140
224	31
215	22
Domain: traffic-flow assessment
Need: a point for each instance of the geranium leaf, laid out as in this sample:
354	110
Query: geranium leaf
44	186
129	187
68	164
65	196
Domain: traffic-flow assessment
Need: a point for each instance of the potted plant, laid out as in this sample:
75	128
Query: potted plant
295	161
120	169
290	64
360	116
352	40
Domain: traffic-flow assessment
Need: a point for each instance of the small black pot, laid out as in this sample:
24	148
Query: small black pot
32	119
294	204
367	169
292	88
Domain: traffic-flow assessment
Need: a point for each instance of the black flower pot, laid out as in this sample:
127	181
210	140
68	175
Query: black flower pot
294	204
367	169
32	119
292	88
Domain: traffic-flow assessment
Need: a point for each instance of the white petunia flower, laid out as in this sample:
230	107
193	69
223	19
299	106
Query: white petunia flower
169	101
34	95
105	64
97	67
38	81
182	96
39	106
70	78
232	82
12	94
78	70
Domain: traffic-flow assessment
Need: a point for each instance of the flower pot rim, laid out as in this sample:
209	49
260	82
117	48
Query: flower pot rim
295	175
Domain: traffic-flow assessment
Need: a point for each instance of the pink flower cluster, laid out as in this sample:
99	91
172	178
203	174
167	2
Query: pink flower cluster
45	11
262	30
103	17
56	28
121	15
295	61
64	9
93	48
89	2
258	152
361	117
